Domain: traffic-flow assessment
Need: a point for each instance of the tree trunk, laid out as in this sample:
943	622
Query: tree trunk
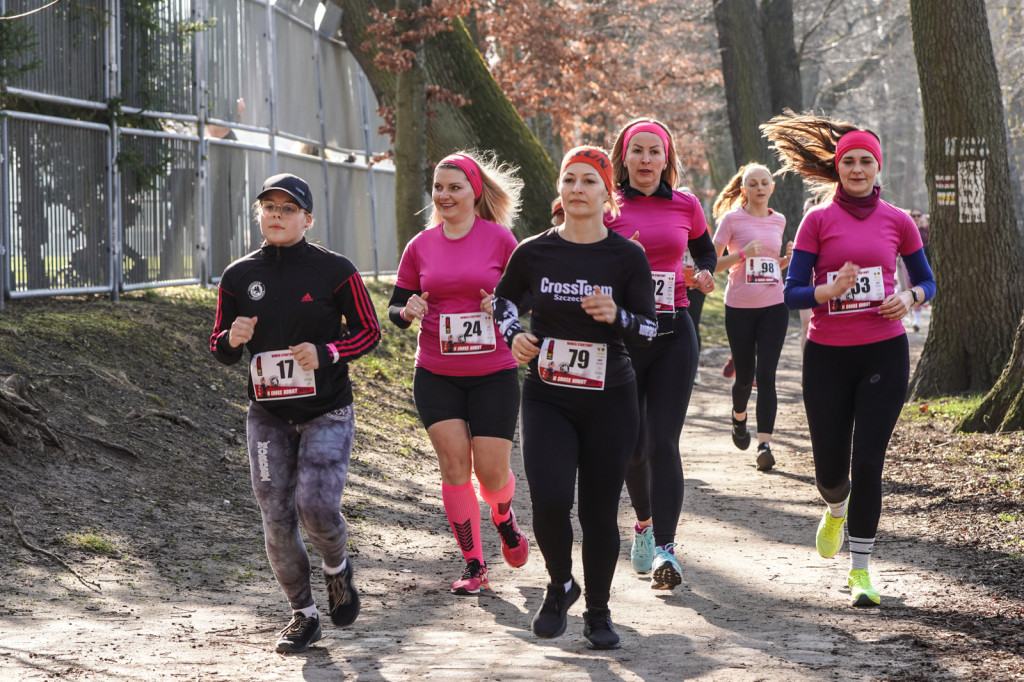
490	122
761	70
1003	407
975	237
745	73
410	141
784	86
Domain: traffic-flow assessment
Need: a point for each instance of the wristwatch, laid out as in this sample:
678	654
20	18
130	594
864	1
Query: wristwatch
913	292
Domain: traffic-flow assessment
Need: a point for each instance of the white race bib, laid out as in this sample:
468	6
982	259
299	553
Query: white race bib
466	333
277	376
868	292
576	364
664	291
763	270
687	260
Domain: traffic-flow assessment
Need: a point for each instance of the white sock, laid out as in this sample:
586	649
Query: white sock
568	586
309	611
328	570
837	509
860	552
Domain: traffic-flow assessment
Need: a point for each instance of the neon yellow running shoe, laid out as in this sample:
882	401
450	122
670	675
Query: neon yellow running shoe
861	591
830	533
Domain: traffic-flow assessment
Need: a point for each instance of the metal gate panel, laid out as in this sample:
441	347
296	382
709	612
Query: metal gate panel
70	46
58	201
157	66
159	208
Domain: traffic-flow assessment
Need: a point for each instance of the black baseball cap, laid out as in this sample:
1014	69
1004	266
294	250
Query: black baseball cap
291	184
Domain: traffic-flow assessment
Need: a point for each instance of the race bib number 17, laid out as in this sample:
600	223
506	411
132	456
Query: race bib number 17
277	376
866	293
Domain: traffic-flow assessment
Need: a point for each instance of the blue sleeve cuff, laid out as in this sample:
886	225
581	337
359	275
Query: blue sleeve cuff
798	292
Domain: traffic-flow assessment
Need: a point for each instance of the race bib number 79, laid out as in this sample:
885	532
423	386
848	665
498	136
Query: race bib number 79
576	364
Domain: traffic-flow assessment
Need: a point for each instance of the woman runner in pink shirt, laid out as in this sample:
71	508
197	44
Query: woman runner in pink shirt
665	222
755	315
856	360
466	383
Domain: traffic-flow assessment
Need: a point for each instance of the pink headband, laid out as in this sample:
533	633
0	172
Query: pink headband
859	139
645	127
468	166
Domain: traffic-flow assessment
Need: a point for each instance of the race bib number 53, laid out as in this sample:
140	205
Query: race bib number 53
576	364
867	292
277	376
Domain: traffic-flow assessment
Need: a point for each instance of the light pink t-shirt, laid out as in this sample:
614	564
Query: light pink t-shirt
665	226
836	237
453	271
737	229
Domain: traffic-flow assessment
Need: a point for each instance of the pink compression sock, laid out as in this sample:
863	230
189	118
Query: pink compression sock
500	501
463	513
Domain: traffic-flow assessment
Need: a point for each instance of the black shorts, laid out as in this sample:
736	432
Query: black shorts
488	403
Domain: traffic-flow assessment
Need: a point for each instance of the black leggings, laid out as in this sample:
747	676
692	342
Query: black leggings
565	431
853	396
756	336
664	381
696	297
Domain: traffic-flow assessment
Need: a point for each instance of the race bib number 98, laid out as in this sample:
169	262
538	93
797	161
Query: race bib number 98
277	376
576	364
763	270
867	292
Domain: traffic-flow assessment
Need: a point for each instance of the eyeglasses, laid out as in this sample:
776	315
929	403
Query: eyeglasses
915	215
287	210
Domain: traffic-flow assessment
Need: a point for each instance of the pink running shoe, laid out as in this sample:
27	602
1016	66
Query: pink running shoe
515	548
729	371
473	579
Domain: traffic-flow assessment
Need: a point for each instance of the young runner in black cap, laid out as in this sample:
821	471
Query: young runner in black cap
284	303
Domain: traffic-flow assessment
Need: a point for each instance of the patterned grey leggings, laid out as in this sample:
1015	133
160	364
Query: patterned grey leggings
298	474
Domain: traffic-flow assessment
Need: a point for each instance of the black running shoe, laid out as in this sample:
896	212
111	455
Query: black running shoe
740	435
550	619
342	596
298	634
598	629
765	458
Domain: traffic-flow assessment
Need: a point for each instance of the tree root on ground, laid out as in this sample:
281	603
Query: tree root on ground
172	417
14	521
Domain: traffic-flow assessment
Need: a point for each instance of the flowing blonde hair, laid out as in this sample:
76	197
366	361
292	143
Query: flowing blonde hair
732	193
806	144
620	174
500	192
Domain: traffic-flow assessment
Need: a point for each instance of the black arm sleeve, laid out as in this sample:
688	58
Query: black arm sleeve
399	297
636	321
702	250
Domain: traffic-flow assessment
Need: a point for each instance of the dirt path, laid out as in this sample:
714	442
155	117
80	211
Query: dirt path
756	602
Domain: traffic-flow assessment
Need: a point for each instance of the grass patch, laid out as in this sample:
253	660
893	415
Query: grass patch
944	409
92	542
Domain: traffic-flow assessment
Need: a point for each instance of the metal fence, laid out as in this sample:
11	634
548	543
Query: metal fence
132	153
